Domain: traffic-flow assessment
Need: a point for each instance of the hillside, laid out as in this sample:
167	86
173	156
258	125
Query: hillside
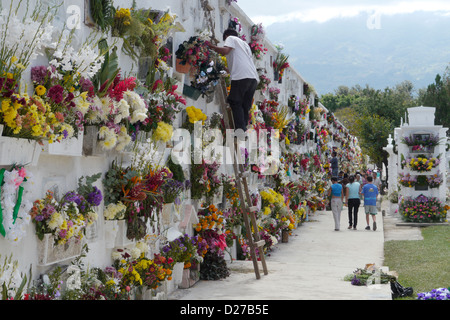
345	51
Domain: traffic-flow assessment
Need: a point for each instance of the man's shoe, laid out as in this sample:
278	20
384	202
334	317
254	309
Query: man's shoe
367	228
374	226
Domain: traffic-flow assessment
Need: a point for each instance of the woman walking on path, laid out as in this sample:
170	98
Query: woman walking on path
337	198
352	193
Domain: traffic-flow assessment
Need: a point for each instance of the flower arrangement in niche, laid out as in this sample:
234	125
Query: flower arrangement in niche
407	180
435	180
257	36
421	163
115	211
263	83
143	30
193	51
422	209
205	179
207	66
280	63
171	190
186	249
14	204
163	104
421	142
68	218
24	38
138	271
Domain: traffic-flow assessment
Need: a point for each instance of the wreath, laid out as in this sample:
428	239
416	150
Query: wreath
13	207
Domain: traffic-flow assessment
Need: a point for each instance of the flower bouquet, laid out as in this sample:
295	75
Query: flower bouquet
435	180
422	209
421	142
186	250
407	180
68	218
422	163
280	64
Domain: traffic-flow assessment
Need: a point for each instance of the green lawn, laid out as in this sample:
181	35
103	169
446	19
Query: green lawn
423	265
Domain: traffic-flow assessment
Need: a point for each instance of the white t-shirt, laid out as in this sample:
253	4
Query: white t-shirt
239	60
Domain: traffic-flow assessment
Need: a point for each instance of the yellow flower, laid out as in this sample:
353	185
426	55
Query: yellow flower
195	114
40	90
163	132
14	59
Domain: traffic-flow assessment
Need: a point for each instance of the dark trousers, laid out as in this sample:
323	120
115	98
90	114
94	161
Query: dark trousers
240	100
353	206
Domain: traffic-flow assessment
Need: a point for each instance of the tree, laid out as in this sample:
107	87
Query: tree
371	114
437	95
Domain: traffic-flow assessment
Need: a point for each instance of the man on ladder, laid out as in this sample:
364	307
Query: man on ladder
244	79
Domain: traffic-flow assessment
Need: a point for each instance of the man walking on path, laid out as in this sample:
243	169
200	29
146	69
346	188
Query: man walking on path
352	191
244	77
337	197
370	193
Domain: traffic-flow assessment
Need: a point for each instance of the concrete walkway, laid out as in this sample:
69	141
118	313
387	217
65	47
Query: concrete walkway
311	266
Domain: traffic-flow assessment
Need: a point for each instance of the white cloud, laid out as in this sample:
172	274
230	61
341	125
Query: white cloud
333	10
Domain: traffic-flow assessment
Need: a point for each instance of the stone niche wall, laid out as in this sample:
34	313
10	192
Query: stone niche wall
61	171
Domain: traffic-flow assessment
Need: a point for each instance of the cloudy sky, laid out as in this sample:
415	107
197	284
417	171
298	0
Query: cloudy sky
349	42
270	11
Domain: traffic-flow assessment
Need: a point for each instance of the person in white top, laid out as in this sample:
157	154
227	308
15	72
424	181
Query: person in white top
244	77
377	182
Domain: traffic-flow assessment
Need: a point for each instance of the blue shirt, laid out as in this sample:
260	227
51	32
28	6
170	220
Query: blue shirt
336	189
353	190
370	192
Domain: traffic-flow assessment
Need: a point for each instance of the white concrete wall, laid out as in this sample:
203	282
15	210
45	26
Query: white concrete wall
65	171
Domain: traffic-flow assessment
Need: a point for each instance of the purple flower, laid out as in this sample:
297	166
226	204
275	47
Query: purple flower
95	197
39	75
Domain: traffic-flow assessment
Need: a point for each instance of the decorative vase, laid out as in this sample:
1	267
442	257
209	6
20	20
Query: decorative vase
121	236
190	277
177	273
19	151
51	253
143	293
276	76
111	230
90	139
166	213
182	68
284	236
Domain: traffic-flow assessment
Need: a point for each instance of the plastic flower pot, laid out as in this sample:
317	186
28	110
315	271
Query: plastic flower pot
191	92
182	68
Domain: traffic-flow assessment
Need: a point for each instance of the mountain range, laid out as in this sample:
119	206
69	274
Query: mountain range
357	51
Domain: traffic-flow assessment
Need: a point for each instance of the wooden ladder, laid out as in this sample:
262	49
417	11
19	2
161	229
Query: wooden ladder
251	226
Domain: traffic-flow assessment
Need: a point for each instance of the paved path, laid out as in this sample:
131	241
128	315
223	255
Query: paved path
310	266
